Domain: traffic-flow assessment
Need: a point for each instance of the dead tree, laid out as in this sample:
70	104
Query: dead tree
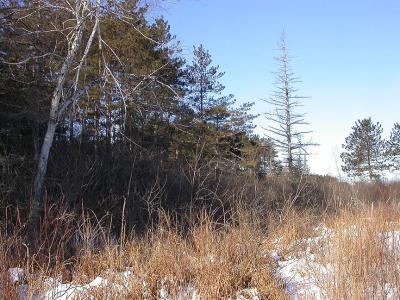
285	122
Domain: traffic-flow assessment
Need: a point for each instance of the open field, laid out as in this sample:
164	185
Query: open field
349	253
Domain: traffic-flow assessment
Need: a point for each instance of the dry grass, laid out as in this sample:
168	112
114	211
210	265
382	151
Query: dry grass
361	251
218	260
364	254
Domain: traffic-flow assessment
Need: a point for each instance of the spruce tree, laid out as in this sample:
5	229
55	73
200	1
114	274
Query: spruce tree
364	150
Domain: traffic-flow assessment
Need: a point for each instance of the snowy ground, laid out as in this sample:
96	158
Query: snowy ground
110	286
301	269
306	276
298	271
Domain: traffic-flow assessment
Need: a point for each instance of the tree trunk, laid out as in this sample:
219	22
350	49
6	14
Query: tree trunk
51	127
39	178
35	140
370	172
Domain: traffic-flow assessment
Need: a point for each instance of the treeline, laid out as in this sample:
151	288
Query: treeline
367	154
99	109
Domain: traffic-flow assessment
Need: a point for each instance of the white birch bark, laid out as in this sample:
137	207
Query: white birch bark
81	10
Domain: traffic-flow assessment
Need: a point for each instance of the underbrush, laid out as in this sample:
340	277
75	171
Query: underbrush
207	260
344	249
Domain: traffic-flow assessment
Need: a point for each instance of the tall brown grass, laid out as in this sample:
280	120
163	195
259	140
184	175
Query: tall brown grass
219	260
364	253
361	252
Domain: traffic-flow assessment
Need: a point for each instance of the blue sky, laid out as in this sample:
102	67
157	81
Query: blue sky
346	52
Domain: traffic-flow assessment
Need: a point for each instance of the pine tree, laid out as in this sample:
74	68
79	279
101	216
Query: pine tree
393	148
287	122
93	72
269	164
203	85
301	166
364	150
241	119
212	110
219	113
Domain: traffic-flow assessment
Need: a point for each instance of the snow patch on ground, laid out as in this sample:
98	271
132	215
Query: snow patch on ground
301	273
304	275
16	275
392	241
246	294
54	289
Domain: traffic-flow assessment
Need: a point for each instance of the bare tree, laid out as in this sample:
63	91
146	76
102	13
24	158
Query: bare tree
80	13
285	129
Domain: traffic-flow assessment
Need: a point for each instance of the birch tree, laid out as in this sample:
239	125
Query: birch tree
286	123
78	16
75	29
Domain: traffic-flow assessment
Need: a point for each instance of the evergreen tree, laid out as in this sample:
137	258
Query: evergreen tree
203	85
241	119
219	112
211	108
125	100
364	150
393	148
301	166
90	76
269	164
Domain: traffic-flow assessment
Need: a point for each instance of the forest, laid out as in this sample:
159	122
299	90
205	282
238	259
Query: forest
129	166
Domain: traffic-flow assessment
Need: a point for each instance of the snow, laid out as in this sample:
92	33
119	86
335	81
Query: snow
246	294
16	275
62	291
392	241
22	292
304	275
299	280
190	293
300	268
54	289
300	271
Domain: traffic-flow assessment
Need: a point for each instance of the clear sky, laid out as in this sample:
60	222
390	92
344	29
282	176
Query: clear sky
347	52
